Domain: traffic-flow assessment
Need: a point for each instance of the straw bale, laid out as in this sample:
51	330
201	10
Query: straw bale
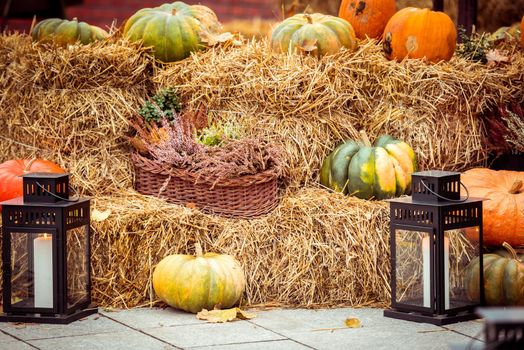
71	105
309	105
316	249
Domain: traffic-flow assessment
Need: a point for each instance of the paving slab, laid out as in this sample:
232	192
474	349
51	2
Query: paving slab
11	343
321	330
103	341
151	317
273	345
207	334
291	320
376	338
474	329
90	325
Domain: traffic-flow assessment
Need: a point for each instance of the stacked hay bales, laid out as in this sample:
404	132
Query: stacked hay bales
308	106
317	248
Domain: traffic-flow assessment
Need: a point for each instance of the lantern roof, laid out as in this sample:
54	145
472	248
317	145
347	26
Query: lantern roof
410	200
19	201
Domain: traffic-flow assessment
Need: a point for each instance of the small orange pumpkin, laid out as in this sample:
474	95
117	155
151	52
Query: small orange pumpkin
503	210
420	33
368	17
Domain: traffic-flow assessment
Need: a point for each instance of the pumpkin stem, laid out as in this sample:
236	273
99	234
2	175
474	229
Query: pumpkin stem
309	18
174	12
198	250
29	164
365	138
516	187
512	251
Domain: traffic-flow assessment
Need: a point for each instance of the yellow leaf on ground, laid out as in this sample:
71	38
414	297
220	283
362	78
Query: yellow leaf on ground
244	315
219	316
352	322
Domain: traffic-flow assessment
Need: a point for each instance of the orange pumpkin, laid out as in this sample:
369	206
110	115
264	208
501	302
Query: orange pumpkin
503	211
368	17
420	33
522	32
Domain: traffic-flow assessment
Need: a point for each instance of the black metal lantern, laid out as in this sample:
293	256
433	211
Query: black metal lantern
503	327
46	253
434	236
467	12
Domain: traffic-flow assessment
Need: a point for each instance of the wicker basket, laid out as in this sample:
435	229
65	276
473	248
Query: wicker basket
244	197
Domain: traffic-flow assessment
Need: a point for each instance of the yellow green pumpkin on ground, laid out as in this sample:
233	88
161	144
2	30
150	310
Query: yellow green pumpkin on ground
380	171
205	281
173	31
503	278
64	32
315	34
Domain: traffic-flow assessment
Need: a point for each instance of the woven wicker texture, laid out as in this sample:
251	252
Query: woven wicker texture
244	197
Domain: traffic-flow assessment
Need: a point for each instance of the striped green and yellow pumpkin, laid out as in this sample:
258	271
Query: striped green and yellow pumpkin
173	31
316	34
64	32
380	171
503	278
194	283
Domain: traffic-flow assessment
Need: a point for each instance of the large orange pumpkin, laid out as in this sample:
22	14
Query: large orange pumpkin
522	32
10	171
368	17
420	33
503	211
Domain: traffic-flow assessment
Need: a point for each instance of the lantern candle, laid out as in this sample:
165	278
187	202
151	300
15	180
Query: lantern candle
427	274
43	271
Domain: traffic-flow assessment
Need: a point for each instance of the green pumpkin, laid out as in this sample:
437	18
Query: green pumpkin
503	278
204	281
316	34
382	171
64	32
174	30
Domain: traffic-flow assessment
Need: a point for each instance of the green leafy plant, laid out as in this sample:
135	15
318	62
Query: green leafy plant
216	133
474	47
164	104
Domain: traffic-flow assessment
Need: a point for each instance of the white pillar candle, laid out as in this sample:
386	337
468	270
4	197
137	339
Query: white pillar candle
426	274
43	274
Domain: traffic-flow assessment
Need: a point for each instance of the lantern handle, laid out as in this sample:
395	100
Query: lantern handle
447	199
56	196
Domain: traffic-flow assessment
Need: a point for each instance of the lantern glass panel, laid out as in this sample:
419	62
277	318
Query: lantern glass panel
77	266
462	248
31	270
412	271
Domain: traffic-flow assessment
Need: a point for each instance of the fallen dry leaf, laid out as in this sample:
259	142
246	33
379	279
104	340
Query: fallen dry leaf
495	57
99	216
309	45
220	316
211	39
352	322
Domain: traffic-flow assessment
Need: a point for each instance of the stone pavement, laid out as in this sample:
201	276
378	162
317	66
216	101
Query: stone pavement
295	329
